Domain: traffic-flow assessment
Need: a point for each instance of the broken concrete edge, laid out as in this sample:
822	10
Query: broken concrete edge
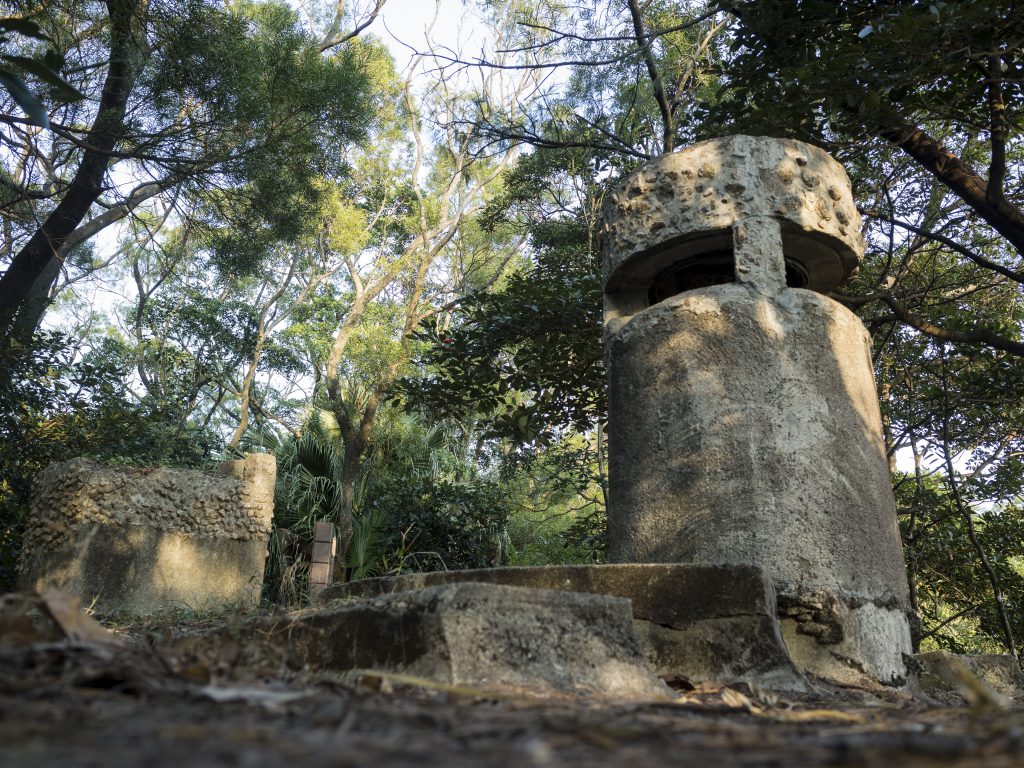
702	622
830	635
949	677
462	634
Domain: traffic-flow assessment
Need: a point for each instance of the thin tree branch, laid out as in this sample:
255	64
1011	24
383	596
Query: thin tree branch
667	123
977	258
332	39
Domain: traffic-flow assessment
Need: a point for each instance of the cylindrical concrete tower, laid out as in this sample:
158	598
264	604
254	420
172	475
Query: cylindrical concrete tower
743	418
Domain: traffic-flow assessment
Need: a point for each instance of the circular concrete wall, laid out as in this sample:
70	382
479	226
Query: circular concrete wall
743	417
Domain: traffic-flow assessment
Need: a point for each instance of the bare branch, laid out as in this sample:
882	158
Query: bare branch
667	123
334	38
977	258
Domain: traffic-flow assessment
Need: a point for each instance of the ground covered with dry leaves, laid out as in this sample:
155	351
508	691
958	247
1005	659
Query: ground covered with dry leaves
72	694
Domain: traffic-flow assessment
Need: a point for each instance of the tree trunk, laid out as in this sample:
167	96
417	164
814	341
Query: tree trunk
45	245
350	467
32	309
949	169
40	295
356	439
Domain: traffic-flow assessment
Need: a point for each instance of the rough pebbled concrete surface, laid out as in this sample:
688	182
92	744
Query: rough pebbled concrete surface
129	540
703	622
690	201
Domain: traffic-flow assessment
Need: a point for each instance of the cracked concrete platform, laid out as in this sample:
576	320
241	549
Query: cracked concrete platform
702	622
484	635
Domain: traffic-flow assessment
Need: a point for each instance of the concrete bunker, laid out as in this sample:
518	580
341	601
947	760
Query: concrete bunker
744	423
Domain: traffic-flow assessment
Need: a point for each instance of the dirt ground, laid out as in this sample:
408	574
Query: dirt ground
73	695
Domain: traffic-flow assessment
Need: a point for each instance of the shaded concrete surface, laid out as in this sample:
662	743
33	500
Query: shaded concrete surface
461	633
129	540
942	674
702	622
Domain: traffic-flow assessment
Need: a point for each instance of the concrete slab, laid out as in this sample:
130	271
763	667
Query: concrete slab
703	622
484	635
940	673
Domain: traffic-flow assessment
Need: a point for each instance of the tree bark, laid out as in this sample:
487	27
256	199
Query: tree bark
356	439
47	242
949	169
40	295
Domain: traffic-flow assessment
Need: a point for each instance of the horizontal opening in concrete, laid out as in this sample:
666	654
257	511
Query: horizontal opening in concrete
707	269
701	271
796	275
813	261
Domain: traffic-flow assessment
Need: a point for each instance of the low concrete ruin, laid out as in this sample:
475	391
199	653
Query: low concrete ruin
483	635
699	622
743	418
137	541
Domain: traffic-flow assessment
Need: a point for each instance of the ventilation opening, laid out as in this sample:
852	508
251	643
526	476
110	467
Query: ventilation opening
705	270
717	268
796	275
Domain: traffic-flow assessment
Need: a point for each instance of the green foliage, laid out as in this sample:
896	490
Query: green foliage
816	69
46	68
439	523
954	596
528	357
419	504
269	109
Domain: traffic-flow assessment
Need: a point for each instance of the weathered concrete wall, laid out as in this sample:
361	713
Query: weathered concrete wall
694	201
133	540
744	423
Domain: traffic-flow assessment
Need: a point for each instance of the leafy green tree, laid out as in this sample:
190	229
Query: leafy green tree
424	253
229	108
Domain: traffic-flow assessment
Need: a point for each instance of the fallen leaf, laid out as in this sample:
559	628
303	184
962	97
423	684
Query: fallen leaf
264	697
736	700
76	624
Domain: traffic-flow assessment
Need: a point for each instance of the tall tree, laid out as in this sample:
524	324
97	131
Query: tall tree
424	254
227	107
